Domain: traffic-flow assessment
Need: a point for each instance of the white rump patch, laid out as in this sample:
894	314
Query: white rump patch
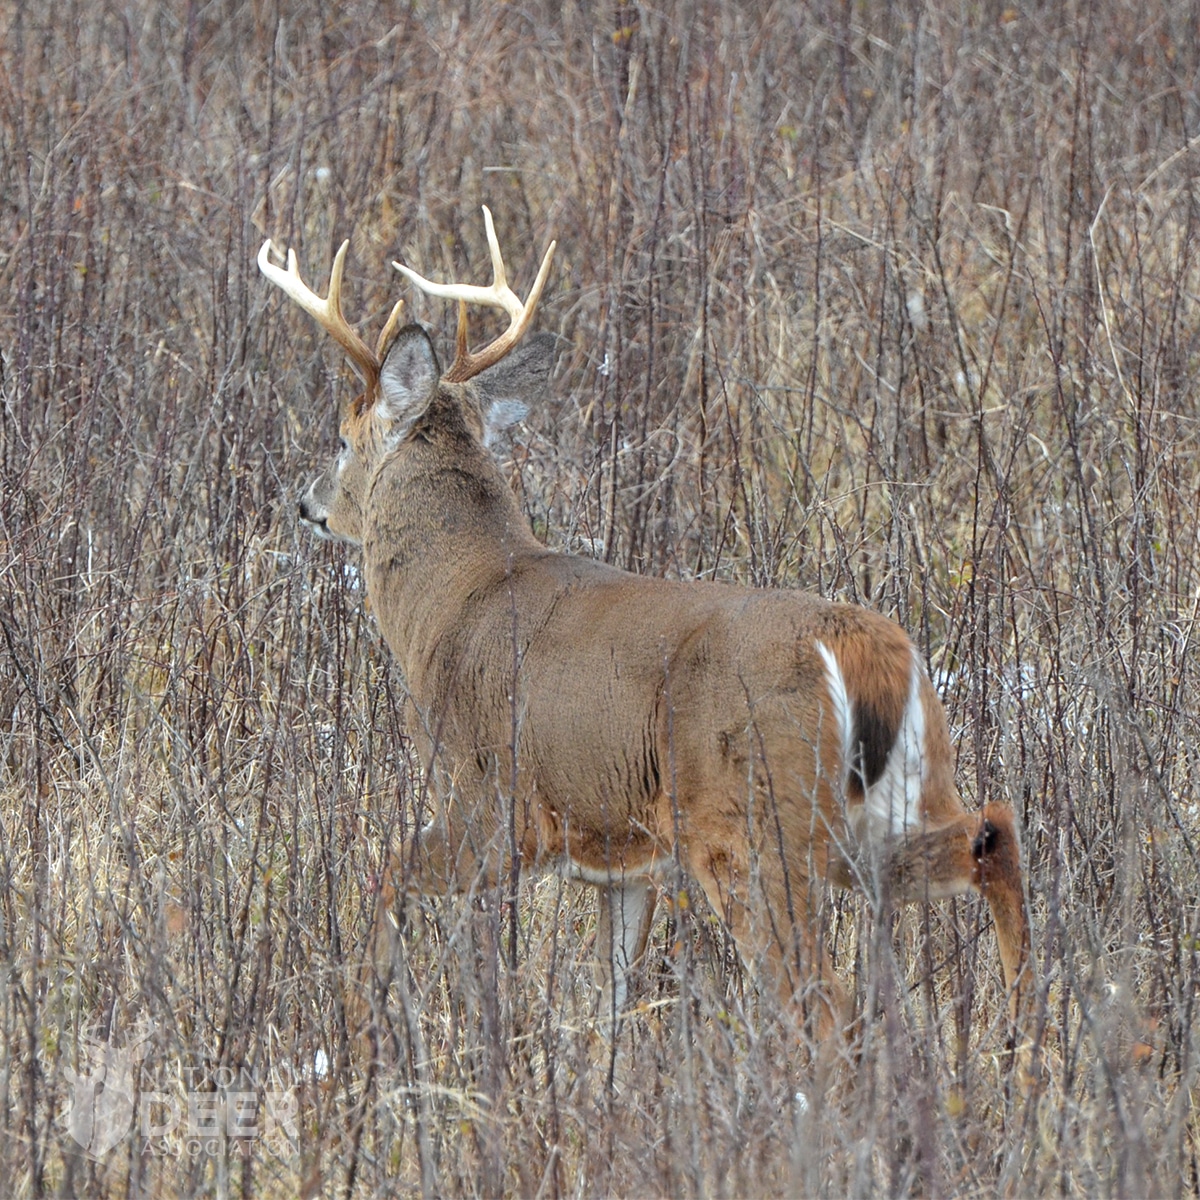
894	799
843	711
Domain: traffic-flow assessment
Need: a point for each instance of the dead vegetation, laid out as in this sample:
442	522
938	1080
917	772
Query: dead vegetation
899	306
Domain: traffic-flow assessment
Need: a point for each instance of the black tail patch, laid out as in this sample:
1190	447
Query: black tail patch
985	840
874	736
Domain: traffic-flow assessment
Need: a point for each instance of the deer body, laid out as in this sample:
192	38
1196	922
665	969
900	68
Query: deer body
770	741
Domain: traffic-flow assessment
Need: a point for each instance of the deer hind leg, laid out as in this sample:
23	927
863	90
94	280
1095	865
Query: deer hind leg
626	917
974	852
774	916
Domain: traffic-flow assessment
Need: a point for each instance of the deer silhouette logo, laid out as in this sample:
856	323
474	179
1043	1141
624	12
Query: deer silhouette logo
102	1105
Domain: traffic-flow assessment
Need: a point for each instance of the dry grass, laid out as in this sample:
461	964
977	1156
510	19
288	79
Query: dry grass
899	306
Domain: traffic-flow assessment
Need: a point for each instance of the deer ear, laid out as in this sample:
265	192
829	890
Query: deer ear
408	379
506	390
500	415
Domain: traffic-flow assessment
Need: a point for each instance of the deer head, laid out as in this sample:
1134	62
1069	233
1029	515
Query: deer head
402	377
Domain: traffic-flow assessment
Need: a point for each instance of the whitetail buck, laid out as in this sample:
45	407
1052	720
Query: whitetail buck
769	741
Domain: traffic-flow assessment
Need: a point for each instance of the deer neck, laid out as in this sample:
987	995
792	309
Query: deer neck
439	530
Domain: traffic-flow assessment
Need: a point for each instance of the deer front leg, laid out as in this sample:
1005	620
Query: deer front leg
462	846
446	856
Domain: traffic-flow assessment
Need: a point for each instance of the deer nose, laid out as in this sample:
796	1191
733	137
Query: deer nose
308	512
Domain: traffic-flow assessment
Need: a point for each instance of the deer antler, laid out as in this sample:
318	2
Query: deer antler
328	312
467	365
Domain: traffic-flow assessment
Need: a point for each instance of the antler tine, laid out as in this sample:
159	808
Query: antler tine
498	295
327	312
388	331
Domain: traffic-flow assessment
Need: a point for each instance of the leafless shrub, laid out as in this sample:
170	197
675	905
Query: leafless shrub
895	305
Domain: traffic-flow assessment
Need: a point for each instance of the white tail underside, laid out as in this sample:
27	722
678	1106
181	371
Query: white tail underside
893	801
